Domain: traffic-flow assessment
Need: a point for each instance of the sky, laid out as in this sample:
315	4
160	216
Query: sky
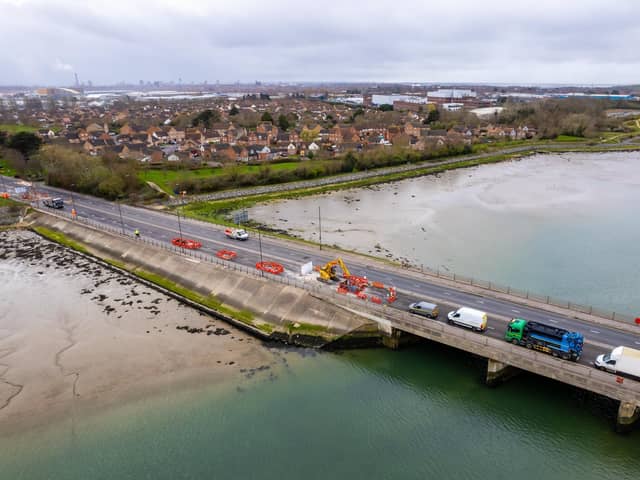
580	42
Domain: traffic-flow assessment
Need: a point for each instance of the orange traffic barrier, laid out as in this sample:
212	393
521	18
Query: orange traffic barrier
4	195
226	254
375	299
270	267
186	243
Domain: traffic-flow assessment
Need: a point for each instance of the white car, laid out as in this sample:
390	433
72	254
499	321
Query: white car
236	233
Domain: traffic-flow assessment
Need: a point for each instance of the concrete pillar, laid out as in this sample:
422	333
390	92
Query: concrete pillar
392	341
628	414
498	372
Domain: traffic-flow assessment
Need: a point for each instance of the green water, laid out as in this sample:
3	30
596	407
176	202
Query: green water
418	413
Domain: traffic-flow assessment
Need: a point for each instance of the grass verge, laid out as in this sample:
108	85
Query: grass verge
210	301
60	238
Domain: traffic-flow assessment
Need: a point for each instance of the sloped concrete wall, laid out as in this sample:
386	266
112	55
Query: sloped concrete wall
273	303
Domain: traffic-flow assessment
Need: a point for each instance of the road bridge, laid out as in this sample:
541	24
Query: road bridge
601	334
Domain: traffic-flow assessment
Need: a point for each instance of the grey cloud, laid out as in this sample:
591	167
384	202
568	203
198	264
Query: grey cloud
286	40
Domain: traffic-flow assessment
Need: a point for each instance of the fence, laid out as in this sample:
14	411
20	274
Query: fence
494	287
312	287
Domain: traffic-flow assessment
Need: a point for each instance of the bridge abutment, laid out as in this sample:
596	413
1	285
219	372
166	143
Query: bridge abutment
628	414
499	372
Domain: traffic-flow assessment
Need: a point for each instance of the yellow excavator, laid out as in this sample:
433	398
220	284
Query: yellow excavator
329	271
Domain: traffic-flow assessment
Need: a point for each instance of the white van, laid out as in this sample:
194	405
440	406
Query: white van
471	318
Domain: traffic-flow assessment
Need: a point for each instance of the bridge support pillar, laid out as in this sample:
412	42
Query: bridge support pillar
392	341
398	338
628	414
498	372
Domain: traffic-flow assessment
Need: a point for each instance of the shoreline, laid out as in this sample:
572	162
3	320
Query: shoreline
92	340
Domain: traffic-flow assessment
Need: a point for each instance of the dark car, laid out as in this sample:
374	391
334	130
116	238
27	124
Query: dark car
425	309
53	202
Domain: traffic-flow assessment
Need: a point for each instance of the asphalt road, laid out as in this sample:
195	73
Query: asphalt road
163	226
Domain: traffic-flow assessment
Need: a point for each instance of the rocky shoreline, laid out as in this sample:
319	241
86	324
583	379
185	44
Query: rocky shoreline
75	334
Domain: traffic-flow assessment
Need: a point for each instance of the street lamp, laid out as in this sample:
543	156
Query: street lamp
74	213
120	212
179	225
260	245
320	227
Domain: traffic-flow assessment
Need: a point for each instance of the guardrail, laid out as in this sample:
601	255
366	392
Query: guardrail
524	294
434	272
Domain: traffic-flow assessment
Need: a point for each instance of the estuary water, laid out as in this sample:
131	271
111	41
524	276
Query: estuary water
418	413
421	412
563	225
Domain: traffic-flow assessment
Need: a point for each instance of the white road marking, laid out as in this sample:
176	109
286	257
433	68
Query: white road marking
480	301
552	320
447	293
515	311
594	331
491	328
637	343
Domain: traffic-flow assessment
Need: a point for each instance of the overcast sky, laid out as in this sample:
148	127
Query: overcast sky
545	41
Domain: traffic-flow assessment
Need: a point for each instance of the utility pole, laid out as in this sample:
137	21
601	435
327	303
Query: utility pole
120	212
179	225
260	245
320	227
74	212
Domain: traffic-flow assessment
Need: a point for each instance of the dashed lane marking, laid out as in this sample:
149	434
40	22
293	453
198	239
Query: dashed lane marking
515	311
552	320
480	301
594	331
491	328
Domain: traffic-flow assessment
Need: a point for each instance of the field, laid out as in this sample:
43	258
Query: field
167	179
6	127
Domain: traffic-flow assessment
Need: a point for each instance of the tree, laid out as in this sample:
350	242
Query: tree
3	137
432	116
24	142
206	118
283	122
385	107
266	117
234	111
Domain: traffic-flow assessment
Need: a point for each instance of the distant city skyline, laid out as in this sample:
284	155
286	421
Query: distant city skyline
587	42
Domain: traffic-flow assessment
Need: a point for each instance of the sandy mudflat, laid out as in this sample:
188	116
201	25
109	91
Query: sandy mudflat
75	335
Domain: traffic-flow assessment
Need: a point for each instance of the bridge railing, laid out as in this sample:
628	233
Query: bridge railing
439	273
524	294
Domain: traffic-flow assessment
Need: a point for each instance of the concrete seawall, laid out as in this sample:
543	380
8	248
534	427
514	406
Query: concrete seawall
270	309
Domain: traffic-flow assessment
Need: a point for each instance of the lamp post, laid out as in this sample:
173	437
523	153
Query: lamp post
179	225
182	194
260	246
74	213
320	227
120	212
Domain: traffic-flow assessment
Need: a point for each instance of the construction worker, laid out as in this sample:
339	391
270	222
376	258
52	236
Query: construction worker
137	233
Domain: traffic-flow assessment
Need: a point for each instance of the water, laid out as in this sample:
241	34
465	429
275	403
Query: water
421	412
418	413
559	225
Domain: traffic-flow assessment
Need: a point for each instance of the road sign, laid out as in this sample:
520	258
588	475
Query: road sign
241	216
20	190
